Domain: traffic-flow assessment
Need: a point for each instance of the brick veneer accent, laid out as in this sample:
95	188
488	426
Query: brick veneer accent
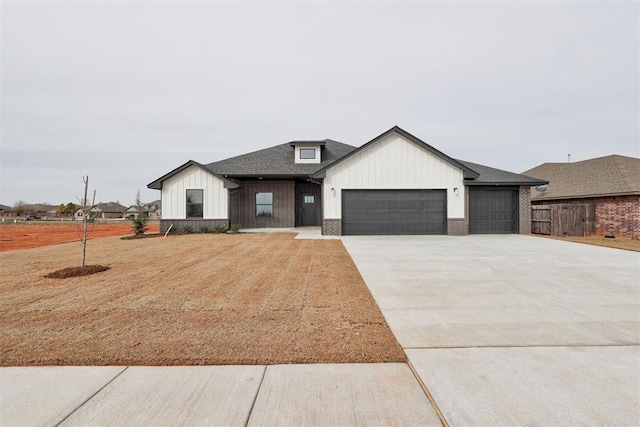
457	226
524	207
197	224
617	216
332	227
243	204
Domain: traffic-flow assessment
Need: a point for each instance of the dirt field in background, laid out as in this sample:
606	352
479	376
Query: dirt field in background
630	245
24	235
189	300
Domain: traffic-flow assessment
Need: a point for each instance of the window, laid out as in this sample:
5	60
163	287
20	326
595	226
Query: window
307	153
264	204
309	199
194	203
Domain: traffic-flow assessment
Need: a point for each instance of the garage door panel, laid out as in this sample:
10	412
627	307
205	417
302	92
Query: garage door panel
493	211
393	211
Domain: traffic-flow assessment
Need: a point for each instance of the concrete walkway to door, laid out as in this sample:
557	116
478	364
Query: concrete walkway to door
512	329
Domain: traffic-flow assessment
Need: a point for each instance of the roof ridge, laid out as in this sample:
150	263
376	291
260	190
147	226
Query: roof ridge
626	173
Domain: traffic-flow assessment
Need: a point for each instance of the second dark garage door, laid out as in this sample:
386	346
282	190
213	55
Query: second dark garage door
394	211
493	211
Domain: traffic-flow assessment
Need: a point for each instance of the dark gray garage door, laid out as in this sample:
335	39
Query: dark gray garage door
493	211
394	211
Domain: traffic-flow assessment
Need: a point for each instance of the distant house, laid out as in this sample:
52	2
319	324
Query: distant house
154	209
38	210
609	187
6	211
150	210
104	211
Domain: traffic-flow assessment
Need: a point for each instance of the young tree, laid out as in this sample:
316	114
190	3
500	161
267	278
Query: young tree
86	216
140	218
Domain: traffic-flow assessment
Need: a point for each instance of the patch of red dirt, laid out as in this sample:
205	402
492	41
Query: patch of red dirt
23	236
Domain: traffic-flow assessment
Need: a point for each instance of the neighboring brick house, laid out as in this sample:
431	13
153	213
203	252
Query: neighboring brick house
393	184
611	184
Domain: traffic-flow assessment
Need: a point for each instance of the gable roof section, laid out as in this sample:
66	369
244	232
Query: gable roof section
157	184
468	172
279	161
492	176
603	176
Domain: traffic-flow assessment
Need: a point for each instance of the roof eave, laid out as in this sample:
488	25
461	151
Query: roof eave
503	183
585	196
305	176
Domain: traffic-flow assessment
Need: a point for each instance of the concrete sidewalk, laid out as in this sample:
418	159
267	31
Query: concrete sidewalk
283	395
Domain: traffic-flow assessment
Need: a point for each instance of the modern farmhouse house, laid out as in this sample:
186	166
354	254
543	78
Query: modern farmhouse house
394	184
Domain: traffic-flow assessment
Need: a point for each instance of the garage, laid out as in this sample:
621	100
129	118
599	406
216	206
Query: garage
394	212
493	211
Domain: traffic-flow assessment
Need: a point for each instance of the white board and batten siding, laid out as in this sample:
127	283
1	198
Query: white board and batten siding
393	163
174	194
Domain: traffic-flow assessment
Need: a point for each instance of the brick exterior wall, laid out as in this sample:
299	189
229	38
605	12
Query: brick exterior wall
197	225
332	227
524	207
243	204
457	226
617	216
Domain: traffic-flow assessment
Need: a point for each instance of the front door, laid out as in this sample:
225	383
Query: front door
309	211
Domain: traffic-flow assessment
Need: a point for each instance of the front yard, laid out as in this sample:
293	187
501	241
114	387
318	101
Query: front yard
193	299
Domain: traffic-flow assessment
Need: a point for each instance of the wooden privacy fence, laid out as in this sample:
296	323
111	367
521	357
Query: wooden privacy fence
564	219
541	220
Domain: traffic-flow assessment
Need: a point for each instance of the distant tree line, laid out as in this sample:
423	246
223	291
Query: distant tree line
67	209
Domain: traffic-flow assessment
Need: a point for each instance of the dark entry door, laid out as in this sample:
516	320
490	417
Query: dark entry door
394	211
493	211
309	211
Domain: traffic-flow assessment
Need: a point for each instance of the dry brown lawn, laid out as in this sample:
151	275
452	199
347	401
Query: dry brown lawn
192	299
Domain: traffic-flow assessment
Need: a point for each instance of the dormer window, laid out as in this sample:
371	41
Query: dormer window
307	153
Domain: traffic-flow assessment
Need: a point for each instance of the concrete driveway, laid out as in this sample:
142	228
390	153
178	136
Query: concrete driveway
513	329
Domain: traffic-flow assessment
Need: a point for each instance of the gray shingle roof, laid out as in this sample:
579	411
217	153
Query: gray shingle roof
493	176
602	176
278	161
111	207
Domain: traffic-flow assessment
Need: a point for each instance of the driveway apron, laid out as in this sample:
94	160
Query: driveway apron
512	329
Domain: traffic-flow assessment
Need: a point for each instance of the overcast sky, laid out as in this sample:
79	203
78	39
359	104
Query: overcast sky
126	91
